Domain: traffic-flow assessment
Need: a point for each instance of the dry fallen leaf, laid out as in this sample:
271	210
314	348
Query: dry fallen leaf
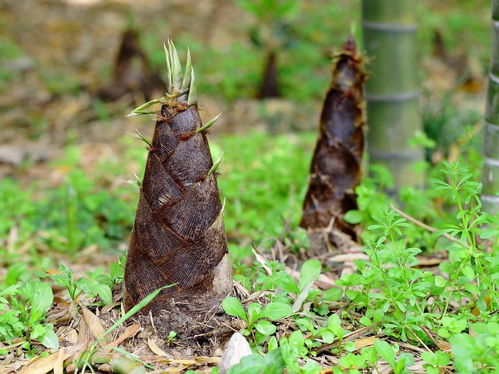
443	345
71	336
208	360
155	349
129	332
95	325
58	367
41	366
364	342
48	363
261	260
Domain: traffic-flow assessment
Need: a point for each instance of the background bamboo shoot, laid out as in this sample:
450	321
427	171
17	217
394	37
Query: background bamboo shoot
336	165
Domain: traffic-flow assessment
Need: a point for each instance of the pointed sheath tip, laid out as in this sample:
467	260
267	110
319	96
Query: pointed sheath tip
167	53
350	45
192	99
187	71
176	67
133	114
216	165
208	124
168	68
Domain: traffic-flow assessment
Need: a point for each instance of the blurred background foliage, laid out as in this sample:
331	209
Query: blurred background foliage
71	69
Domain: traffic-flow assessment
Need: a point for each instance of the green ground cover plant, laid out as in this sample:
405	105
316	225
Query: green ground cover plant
392	296
292	321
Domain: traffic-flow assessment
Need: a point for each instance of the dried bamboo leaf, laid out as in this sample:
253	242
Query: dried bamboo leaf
58	367
42	365
46	364
95	326
365	342
155	349
129	332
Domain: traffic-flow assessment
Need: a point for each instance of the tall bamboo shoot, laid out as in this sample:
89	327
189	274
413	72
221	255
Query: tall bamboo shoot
178	236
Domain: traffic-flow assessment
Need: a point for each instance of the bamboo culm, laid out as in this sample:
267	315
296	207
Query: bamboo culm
490	173
392	90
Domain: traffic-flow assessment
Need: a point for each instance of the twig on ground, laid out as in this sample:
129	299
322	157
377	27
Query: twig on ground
426	227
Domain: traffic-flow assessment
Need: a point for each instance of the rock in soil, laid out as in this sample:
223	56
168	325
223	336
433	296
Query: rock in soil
236	349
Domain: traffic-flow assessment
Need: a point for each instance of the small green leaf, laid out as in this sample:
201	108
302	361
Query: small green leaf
401	306
50	339
216	165
431	370
442	358
104	292
333	294
192	97
42	300
350	347
272	344
37	331
333	321
232	306
187	71
254	310
265	327
469	273
296	339
141	109
334	324
309	272
440	281
311	367
365	321
353	216
385	351
327	335
428	357
443	333
462	346
276	310
305	324
15	272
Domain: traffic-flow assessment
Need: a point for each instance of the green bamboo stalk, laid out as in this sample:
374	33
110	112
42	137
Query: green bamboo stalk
490	174
392	90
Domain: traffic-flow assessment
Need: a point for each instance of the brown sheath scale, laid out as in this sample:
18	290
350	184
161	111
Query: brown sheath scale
336	164
178	235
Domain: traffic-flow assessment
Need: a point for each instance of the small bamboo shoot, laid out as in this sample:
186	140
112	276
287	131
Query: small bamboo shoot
336	165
